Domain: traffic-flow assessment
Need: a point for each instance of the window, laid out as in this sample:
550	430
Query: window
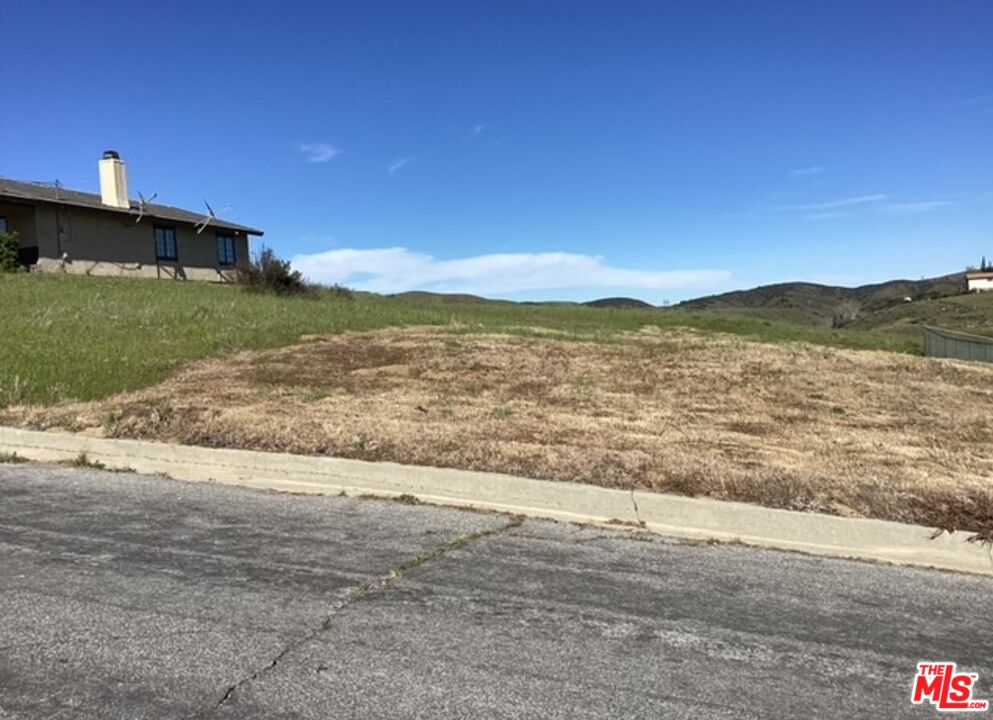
165	243
225	249
3	225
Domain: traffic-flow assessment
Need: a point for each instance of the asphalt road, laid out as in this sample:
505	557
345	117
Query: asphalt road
124	596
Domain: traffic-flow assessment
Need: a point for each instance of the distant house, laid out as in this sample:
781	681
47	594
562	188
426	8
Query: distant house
979	280
69	231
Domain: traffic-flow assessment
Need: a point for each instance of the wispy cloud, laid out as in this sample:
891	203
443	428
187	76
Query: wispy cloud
400	162
805	171
318	152
916	208
868	203
397	269
834	204
828	215
472	137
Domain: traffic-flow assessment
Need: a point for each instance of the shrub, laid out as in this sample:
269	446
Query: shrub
846	312
339	292
8	253
267	273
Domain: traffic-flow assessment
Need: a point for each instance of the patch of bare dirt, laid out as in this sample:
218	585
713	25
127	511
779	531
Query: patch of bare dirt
845	432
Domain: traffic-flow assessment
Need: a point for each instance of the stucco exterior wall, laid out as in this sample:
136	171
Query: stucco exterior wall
21	219
111	243
46	231
981	284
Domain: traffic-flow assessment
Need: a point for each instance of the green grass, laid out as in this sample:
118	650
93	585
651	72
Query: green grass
970	312
80	338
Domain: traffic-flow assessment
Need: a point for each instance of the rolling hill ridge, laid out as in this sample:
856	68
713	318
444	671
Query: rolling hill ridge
829	305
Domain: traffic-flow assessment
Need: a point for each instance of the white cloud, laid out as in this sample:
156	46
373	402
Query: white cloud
844	202
318	152
916	208
805	171
477	129
396	269
400	162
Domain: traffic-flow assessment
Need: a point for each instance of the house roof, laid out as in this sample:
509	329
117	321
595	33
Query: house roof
38	192
979	275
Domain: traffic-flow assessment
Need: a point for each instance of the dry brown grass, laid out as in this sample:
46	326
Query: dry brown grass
854	433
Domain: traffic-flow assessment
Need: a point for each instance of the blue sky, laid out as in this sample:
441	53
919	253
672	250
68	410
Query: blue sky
532	150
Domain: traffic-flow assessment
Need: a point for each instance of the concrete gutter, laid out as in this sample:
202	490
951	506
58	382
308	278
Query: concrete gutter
674	515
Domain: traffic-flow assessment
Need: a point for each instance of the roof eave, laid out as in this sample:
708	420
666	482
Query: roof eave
126	211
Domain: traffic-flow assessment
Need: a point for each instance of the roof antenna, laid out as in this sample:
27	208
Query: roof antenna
58	186
142	204
211	215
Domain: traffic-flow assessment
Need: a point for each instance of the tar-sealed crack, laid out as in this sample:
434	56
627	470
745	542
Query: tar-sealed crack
366	592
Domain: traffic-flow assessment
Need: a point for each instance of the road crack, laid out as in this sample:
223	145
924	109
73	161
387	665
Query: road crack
637	514
370	590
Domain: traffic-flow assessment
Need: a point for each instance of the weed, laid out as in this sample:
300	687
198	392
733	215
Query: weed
625	523
83	461
111	421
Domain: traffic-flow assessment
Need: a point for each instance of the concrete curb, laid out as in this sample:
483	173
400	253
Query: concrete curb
674	515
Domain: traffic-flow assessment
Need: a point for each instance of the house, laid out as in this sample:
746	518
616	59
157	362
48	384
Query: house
979	280
69	231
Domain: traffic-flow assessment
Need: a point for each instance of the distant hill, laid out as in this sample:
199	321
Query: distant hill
940	301
828	305
432	297
618	302
424	296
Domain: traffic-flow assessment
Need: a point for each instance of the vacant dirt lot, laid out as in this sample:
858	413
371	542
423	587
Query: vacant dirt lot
846	432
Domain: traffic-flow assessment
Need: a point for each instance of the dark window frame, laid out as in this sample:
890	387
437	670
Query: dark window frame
163	256
4	224
225	243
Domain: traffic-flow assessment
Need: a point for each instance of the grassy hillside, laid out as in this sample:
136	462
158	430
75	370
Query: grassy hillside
83	338
972	313
814	304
